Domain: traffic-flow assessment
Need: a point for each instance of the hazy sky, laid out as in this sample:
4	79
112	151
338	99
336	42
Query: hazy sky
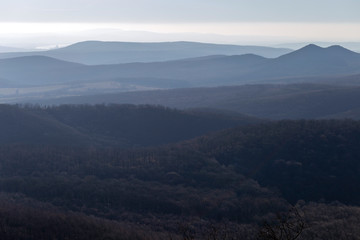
180	10
240	20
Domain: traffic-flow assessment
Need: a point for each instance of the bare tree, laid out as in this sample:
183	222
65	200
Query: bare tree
288	226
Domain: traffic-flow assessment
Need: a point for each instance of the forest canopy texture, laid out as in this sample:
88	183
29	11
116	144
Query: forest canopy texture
180	175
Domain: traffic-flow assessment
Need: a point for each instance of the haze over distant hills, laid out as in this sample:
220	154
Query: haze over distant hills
96	52
313	60
37	70
4	49
353	46
308	61
272	101
45	77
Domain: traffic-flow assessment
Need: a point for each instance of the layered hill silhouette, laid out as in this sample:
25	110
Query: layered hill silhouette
273	101
310	61
97	52
38	77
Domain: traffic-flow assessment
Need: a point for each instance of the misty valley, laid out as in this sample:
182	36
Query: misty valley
180	140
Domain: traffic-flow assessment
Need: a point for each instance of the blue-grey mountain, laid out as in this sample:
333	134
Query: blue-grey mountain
61	78
96	52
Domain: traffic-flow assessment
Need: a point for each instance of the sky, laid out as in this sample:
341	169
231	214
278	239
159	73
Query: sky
48	22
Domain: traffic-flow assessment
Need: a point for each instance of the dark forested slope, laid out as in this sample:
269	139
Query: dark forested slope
239	176
121	125
310	160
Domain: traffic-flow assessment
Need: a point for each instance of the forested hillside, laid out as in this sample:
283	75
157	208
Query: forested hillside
231	181
309	160
101	125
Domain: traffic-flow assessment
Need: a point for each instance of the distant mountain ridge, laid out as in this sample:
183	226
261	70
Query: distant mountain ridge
97	52
313	59
309	64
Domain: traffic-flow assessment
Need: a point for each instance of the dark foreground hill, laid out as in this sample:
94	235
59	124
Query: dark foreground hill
309	160
121	125
228	182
